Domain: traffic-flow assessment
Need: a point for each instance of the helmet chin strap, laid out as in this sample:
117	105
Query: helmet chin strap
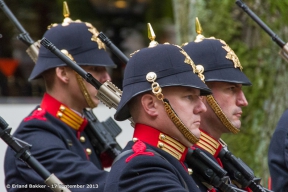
157	91
178	123
81	84
218	111
84	91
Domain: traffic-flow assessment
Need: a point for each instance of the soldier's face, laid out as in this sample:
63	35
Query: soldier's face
231	99
99	73
188	105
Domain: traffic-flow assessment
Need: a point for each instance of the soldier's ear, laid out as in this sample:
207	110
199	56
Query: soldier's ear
62	73
149	104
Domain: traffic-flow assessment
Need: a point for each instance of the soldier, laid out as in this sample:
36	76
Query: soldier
163	96
277	156
56	128
223	75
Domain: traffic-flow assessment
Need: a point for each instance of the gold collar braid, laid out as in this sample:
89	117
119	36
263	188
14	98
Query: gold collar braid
218	111
157	91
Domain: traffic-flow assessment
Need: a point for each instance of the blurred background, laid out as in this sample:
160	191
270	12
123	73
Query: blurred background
125	23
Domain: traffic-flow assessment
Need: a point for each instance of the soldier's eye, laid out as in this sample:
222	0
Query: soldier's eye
193	97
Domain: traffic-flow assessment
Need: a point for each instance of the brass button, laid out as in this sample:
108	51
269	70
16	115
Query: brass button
88	151
62	108
82	139
190	171
162	136
59	114
160	145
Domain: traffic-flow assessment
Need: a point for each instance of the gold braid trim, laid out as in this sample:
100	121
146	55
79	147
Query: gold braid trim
84	91
218	111
179	124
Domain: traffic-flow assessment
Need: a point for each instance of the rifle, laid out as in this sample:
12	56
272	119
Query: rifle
239	172
102	136
208	171
112	47
33	47
22	152
284	46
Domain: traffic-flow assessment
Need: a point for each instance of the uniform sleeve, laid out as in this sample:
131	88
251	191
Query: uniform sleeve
51	151
143	173
278	155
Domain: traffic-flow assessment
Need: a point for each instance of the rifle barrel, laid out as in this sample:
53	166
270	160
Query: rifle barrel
25	37
113	47
275	37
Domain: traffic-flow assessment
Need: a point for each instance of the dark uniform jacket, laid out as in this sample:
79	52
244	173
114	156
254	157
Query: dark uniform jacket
60	145
155	163
278	155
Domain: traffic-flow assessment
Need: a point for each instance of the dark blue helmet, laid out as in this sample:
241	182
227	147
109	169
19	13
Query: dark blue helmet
80	40
218	59
172	67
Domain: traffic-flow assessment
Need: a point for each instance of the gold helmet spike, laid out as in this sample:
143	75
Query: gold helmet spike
151	36
66	14
199	30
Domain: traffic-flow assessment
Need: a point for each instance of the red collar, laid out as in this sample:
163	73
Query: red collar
209	144
160	140
62	112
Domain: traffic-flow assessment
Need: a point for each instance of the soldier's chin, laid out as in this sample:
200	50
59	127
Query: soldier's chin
237	124
97	101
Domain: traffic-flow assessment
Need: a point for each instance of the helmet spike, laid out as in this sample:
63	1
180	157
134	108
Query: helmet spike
199	30
66	12
198	26
151	36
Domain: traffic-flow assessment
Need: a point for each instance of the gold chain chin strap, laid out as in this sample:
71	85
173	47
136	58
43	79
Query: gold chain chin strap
84	91
157	91
218	111
179	124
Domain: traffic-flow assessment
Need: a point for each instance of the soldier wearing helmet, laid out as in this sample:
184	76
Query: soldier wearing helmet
223	74
56	127
162	93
